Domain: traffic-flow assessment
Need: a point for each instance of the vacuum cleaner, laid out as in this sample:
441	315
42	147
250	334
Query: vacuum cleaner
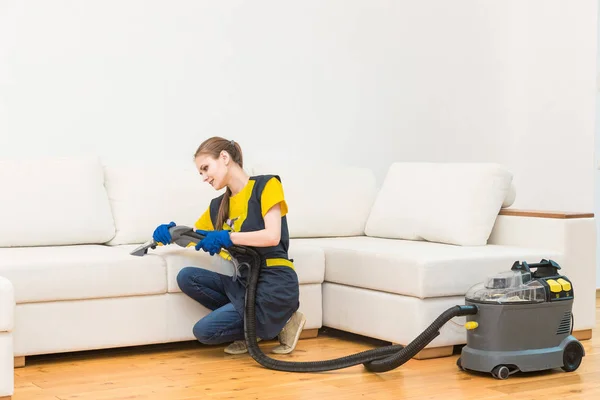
519	320
524	322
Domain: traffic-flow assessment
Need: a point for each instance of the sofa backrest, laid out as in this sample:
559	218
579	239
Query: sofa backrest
324	200
454	203
57	201
144	196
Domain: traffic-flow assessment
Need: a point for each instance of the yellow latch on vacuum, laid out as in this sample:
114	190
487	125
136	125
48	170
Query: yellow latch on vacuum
555	287
471	325
565	284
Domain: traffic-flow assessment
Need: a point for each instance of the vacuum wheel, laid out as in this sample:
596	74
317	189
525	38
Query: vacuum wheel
459	364
572	355
501	372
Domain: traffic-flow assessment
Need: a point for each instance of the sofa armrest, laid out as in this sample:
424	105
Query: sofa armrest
571	234
7	306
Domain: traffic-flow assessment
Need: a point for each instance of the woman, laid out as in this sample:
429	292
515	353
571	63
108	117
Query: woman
251	212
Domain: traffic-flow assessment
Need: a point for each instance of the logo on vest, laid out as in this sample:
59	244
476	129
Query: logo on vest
231	222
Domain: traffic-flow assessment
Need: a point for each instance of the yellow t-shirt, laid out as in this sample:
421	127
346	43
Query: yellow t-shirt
238	206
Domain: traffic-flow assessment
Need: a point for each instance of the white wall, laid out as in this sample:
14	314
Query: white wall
362	82
554	108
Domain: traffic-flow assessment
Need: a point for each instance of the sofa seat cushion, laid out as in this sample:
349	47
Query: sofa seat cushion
80	272
309	262
417	268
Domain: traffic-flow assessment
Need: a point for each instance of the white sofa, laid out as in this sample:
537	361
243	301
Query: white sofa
377	261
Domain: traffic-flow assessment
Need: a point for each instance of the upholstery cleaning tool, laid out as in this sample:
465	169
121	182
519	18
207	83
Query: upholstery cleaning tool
186	237
516	321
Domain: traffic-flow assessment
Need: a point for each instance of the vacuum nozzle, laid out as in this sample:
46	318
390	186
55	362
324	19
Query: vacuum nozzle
143	249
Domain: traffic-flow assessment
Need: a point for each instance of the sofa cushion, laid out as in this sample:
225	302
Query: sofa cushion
324	200
309	262
80	272
56	201
143	197
455	203
417	268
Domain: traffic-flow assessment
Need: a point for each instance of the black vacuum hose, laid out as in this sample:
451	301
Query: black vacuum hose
377	360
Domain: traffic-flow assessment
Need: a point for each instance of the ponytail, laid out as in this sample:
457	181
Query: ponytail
223	214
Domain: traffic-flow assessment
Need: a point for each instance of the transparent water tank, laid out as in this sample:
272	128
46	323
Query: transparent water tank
508	287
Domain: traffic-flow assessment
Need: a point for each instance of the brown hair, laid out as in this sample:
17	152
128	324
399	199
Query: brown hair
213	147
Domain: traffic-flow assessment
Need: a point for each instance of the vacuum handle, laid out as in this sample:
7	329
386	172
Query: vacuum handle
542	269
184	236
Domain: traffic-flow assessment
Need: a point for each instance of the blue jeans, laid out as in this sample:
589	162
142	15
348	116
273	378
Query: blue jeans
224	324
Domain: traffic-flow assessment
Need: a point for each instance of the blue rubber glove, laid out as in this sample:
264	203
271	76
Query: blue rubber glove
213	241
161	233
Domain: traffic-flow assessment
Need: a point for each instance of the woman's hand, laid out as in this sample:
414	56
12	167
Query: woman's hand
161	234
213	241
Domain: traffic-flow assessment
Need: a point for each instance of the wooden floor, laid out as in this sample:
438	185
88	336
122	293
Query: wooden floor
192	371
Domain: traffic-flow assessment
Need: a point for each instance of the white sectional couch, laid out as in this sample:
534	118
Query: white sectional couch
377	261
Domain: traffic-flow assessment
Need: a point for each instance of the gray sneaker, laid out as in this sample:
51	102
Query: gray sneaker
238	347
289	335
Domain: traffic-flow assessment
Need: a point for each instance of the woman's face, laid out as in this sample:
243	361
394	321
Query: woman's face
213	171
